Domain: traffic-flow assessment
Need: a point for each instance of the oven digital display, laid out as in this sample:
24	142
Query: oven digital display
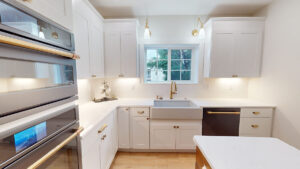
30	136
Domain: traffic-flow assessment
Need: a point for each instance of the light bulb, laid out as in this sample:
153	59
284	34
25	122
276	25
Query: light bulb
147	33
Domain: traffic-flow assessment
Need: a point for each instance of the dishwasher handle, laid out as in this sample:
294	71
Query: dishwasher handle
222	112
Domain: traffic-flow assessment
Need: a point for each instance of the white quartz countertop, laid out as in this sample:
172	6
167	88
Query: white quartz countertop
91	113
248	153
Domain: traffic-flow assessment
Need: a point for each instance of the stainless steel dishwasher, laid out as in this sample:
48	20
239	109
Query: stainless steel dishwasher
221	121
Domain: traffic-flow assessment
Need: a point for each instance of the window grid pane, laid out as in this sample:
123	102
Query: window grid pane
179	60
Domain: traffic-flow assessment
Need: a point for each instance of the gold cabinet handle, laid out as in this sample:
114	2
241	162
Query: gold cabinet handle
55	150
102	128
121	75
27	1
215	112
94	76
103	137
235	76
256	113
141	112
254	126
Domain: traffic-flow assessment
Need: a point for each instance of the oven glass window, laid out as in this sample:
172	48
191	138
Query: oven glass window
17	75
14	18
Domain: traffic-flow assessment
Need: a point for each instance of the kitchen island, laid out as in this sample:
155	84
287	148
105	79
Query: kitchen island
215	152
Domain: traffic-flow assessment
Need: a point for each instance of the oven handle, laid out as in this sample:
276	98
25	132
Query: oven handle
55	150
216	112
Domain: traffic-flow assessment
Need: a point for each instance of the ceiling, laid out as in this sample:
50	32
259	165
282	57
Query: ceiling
133	8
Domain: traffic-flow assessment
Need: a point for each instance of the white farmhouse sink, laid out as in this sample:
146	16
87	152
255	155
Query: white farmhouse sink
176	110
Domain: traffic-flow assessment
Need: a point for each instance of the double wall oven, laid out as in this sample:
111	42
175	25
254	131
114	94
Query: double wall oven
39	126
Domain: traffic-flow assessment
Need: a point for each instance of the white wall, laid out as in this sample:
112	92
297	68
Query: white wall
280	81
173	30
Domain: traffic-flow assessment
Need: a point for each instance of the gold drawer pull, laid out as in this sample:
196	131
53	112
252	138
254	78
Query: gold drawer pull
256	113
103	137
141	112
102	128
254	126
27	1
235	76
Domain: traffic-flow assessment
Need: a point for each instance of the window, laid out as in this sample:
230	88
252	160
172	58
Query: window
169	64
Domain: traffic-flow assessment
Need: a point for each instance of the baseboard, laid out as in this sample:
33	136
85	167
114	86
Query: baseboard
156	151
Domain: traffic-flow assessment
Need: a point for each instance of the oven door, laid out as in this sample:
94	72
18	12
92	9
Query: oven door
30	79
61	151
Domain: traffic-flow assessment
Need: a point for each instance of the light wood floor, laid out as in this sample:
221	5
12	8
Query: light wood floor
154	161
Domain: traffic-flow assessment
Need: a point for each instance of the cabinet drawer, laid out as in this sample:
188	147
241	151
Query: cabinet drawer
139	111
258	127
256	112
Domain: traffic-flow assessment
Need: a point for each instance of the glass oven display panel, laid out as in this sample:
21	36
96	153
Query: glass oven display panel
30	136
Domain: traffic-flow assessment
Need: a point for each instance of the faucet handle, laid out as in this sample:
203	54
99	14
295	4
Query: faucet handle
175	86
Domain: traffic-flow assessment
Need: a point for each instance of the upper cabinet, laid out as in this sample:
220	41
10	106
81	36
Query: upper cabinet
233	47
88	32
59	11
121	48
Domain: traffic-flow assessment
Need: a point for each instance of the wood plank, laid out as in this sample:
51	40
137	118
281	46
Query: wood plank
200	160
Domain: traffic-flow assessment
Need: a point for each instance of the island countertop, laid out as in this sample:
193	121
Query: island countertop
247	153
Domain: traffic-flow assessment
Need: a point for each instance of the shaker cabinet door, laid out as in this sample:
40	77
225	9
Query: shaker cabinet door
140	132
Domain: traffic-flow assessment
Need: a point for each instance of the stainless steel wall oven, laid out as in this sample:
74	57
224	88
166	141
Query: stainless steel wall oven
39	125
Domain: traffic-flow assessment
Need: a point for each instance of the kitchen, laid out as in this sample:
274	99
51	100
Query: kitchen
98	84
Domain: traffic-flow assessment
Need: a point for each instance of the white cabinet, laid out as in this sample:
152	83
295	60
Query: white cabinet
139	128
98	145
256	122
174	134
121	48
233	47
185	132
162	135
88	32
59	11
123	128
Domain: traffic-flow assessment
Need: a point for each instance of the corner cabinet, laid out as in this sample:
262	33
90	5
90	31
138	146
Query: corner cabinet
59	11
88	32
233	47
121	48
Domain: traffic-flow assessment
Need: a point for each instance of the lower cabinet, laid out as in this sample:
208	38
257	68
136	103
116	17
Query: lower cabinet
99	145
139	128
123	128
174	134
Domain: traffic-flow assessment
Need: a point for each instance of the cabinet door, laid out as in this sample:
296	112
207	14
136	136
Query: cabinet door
81	33
112	54
222	55
185	134
115	133
248	55
162	135
140	132
59	11
123	128
128	54
90	150
106	148
96	50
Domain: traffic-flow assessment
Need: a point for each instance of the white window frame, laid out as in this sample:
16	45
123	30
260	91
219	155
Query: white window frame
194	62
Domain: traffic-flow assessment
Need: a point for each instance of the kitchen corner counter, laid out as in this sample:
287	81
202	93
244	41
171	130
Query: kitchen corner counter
91	113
